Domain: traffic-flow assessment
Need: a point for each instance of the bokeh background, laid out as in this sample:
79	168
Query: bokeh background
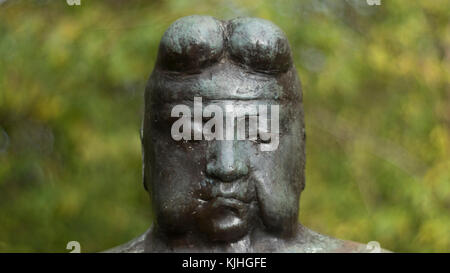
376	94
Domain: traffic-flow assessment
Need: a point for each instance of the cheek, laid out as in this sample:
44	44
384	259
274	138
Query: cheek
282	166
177	171
291	160
175	179
278	177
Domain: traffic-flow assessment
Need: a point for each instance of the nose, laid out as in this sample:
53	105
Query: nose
225	161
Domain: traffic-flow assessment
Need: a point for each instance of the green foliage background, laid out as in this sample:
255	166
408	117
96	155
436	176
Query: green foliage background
376	94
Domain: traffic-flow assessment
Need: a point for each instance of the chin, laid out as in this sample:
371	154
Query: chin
223	224
227	229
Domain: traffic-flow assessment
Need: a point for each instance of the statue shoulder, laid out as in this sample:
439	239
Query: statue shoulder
134	246
315	242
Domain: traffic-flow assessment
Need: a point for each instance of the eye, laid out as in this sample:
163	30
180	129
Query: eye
260	44
260	140
181	133
191	43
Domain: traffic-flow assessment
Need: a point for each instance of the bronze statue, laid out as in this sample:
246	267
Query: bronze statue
226	195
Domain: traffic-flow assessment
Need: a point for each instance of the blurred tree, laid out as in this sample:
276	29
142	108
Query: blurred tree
376	93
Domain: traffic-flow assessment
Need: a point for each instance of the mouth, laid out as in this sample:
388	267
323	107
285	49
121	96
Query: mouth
237	207
233	194
224	218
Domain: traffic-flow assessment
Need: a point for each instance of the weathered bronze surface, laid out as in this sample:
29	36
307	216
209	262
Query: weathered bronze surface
226	195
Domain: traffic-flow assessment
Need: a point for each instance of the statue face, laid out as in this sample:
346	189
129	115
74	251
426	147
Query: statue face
223	189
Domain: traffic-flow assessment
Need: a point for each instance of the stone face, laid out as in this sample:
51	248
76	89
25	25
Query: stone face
225	195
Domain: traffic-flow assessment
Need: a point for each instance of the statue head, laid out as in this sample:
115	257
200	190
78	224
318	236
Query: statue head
226	184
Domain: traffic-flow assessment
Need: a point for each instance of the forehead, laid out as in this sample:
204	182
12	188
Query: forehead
223	81
227	106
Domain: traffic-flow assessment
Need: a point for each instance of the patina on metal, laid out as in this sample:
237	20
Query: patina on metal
225	195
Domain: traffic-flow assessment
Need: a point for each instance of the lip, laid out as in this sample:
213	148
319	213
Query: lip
226	200
235	205
239	191
223	219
